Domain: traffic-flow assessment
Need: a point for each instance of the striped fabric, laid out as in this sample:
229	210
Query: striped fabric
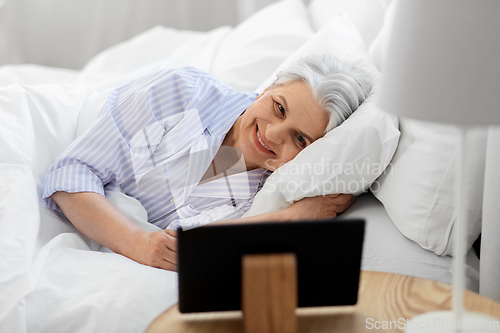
155	138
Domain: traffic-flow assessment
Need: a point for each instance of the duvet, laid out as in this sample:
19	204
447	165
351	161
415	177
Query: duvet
52	278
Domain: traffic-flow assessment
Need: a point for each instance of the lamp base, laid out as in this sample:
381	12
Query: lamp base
444	321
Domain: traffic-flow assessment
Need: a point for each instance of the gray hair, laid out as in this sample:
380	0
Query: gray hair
337	86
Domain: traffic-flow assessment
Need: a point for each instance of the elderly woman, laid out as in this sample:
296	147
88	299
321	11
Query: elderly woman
190	150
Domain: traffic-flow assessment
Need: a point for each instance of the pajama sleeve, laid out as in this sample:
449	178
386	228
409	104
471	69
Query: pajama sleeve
124	135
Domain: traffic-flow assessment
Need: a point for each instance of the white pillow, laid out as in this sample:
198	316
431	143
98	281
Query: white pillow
152	51
258	45
351	156
418	192
366	15
378	47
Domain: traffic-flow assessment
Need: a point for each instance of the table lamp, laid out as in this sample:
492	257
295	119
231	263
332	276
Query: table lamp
442	64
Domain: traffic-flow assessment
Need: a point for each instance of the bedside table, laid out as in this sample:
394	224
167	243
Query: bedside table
385	302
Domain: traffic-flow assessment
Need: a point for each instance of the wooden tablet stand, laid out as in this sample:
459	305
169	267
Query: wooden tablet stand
269	293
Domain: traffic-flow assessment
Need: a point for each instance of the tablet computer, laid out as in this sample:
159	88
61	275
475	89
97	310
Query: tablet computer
328	255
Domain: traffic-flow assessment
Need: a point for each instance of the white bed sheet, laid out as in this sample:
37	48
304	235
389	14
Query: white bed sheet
386	249
52	278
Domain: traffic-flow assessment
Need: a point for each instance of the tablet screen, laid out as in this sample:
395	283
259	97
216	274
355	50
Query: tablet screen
328	254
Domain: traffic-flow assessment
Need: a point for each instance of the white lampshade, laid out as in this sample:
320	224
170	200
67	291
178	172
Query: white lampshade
442	64
442	61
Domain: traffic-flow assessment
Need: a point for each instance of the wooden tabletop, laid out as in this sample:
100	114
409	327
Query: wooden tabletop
385	300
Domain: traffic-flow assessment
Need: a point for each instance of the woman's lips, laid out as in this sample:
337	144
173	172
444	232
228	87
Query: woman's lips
260	143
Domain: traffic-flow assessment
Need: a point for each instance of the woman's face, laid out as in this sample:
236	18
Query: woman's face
278	125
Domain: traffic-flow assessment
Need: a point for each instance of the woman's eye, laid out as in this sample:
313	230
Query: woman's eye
280	108
301	140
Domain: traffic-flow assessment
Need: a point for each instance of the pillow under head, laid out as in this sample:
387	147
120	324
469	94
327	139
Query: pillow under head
349	158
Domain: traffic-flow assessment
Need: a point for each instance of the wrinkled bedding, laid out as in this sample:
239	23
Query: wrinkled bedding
54	279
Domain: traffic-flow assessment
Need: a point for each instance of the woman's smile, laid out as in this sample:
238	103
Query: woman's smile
260	143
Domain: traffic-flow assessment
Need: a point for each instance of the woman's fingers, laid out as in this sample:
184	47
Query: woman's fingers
171	239
170	256
166	260
171	232
160	250
329	205
340	199
171	247
342	202
167	265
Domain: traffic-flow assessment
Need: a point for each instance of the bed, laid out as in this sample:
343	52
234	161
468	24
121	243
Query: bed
54	279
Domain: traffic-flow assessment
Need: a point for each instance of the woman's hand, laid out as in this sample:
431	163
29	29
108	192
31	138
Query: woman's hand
319	207
95	217
158	249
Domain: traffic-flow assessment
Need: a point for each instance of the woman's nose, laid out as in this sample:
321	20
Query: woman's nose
275	133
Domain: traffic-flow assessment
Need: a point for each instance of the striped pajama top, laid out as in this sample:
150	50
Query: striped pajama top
155	138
